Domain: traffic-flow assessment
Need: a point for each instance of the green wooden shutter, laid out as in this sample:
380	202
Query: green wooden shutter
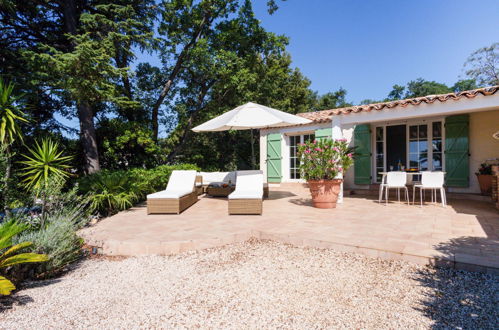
323	133
274	171
362	161
457	151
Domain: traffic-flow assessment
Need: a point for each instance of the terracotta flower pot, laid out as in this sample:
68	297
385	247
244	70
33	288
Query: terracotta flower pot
324	192
485	182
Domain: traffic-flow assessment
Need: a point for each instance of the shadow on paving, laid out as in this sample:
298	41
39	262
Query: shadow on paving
459	299
274	195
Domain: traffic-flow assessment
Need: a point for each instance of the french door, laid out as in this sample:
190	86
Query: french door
421	148
294	163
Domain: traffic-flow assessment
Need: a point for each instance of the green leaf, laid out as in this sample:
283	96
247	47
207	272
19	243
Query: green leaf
6	286
16	248
22	258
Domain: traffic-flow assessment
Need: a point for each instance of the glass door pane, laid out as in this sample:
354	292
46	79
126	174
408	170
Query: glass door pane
418	147
294	163
380	153
396	147
436	145
293	158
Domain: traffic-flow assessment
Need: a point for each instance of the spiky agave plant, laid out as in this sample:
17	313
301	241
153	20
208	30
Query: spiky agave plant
45	161
9	253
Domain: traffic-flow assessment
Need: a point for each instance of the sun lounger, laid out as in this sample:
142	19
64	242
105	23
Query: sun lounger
248	196
180	193
216	178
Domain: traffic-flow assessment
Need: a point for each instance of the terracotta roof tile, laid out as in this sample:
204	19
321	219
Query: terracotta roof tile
325	115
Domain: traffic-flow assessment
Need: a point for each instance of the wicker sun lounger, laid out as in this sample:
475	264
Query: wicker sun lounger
248	196
180	193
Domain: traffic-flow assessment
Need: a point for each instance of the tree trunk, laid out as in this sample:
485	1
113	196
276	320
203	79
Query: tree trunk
190	121
175	71
88	137
85	114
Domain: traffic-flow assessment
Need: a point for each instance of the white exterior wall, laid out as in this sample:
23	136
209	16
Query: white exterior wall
286	132
484	120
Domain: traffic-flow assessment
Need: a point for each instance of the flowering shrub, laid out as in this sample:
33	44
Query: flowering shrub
324	159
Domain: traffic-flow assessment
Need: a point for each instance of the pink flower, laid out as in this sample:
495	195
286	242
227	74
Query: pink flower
341	140
315	141
336	149
307	151
318	149
350	155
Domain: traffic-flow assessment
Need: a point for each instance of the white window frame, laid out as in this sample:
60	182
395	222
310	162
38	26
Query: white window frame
288	153
408	123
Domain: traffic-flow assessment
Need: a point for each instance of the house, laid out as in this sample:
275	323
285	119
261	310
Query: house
450	132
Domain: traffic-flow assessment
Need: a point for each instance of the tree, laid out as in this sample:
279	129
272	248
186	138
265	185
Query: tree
421	87
237	63
396	93
464	85
77	50
184	23
127	144
369	101
331	100
483	65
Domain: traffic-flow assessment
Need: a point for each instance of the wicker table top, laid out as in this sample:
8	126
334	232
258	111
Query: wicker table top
220	191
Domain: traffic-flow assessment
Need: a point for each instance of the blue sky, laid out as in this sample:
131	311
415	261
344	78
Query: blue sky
368	46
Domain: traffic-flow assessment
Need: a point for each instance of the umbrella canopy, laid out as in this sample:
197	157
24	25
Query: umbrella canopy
250	116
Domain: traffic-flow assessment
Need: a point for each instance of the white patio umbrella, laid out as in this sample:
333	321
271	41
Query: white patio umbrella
250	116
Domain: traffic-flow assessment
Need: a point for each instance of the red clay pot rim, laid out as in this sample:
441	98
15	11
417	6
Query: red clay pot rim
322	181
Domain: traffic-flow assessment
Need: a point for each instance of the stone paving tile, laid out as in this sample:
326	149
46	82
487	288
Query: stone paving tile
465	228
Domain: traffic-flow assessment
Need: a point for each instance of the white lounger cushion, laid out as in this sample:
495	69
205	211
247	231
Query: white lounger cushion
249	185
180	184
169	194
213	177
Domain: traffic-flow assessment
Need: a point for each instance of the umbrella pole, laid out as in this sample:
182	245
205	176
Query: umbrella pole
252	150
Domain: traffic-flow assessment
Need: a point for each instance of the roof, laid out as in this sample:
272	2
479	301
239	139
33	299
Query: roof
325	115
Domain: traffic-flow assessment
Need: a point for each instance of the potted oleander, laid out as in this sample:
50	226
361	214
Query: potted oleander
321	161
484	176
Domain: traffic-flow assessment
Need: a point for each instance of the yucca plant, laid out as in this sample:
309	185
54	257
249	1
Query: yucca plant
45	161
10	114
9	253
10	117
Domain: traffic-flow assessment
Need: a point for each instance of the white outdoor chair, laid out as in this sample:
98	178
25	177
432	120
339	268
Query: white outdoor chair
396	180
431	181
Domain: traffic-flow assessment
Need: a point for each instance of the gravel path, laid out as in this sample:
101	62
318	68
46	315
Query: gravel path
256	284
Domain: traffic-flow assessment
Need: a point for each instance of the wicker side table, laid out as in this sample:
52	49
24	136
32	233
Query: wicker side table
220	191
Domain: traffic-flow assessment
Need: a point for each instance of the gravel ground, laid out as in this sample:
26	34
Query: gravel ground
256	284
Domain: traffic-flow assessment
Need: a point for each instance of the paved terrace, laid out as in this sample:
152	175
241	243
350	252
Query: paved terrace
463	235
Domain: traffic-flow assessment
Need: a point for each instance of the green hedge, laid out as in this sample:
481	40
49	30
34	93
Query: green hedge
113	191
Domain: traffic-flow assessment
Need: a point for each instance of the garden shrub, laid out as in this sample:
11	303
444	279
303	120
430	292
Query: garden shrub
113	191
53	231
58	240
